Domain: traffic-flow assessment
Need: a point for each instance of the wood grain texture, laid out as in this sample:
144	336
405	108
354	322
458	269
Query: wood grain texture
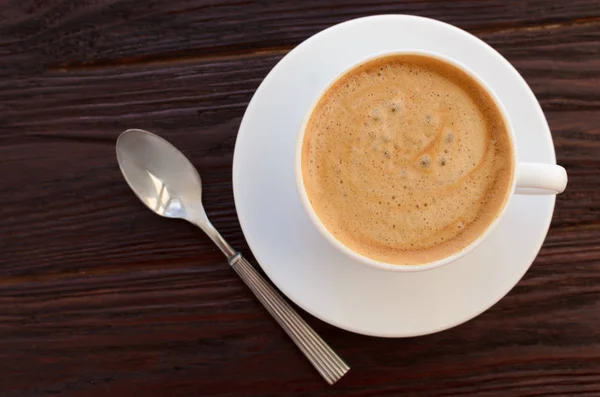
99	297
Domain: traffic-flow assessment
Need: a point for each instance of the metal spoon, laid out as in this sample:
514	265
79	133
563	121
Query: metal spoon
165	180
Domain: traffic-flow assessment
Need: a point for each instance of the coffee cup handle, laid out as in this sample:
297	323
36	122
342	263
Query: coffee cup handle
540	178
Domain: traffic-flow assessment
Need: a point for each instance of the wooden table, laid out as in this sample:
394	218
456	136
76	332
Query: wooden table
99	297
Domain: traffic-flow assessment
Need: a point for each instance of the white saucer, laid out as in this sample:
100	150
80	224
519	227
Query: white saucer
327	283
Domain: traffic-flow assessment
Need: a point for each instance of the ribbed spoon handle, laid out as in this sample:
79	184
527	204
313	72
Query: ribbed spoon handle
325	360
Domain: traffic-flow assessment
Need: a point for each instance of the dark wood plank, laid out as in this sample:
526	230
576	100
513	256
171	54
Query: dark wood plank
99	297
38	34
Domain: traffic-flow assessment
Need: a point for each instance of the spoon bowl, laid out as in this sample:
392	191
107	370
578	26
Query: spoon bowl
161	176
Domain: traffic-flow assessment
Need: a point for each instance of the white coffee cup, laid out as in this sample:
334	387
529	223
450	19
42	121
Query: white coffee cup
528	178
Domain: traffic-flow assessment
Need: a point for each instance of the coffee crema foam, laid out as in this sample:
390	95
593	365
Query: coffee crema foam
406	159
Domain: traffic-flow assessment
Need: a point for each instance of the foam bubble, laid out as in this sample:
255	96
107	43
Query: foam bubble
375	114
